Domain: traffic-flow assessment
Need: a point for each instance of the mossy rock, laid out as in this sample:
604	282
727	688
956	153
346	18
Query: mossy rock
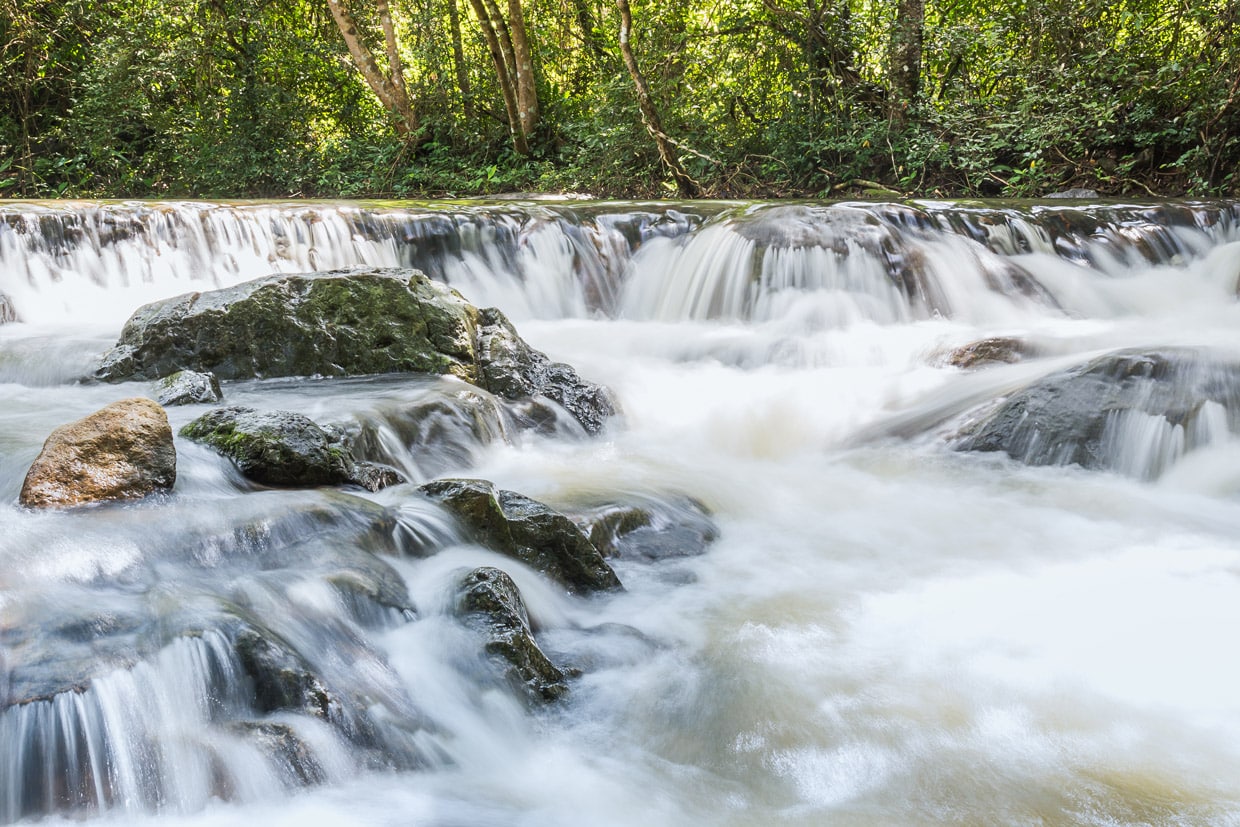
489	601
284	448
339	323
526	530
346	323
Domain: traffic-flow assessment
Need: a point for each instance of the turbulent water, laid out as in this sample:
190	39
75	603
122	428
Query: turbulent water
885	630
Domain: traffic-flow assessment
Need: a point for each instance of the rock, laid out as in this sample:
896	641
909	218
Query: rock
490	602
374	476
330	324
284	448
526	530
273	447
1130	411
123	451
187	387
8	313
345	323
279	742
514	370
283	681
653	530
1075	192
996	349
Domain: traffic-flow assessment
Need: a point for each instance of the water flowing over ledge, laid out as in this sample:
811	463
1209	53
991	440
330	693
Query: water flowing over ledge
881	262
924	512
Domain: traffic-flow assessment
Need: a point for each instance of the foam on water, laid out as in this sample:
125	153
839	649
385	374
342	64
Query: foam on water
885	631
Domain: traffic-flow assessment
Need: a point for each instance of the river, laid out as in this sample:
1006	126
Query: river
884	631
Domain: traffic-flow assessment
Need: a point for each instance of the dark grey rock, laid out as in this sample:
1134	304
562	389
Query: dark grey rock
526	530
677	526
1084	415
489	601
273	447
345	323
514	370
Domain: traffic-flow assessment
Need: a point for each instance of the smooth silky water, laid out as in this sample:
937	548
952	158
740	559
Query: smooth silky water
886	631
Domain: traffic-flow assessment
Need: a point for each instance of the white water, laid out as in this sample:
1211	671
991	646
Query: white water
885	632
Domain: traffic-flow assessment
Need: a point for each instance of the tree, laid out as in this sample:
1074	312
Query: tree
389	87
685	185
509	45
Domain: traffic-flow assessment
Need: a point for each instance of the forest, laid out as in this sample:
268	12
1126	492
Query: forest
618	98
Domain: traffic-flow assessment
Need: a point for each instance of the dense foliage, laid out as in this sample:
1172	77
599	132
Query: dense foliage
753	97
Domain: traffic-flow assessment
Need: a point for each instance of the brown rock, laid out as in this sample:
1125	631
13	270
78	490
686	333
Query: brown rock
123	451
997	349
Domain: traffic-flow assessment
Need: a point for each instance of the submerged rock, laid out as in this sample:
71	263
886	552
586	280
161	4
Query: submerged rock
285	448
653	530
7	312
122	451
345	323
490	602
280	743
188	387
526	530
1131	411
283	681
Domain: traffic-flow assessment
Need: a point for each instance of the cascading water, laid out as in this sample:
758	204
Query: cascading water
971	477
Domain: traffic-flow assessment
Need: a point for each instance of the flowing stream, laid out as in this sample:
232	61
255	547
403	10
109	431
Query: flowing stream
884	630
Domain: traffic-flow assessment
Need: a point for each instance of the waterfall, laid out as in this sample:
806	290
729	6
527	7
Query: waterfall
923	512
883	263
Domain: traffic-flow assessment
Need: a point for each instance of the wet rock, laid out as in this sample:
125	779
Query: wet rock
330	324
281	744
188	387
8	313
526	530
345	323
653	530
514	370
123	451
282	679
273	447
1131	411
285	448
994	350
1075	192
490	602
374	476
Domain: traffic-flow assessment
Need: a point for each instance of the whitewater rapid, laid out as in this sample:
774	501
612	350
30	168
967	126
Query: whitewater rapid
886	631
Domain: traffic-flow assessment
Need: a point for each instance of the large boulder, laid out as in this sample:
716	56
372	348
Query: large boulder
526	530
489	601
123	451
284	448
1131	411
344	323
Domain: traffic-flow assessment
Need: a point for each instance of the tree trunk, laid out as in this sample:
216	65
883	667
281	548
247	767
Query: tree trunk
492	29
389	90
523	62
905	55
686	186
458	61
